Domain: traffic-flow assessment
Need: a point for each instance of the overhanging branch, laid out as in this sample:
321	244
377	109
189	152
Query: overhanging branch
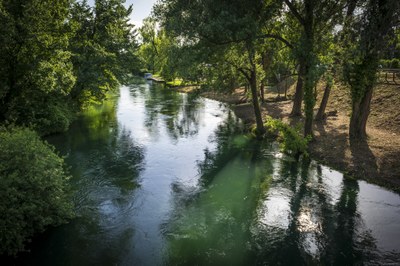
277	37
295	12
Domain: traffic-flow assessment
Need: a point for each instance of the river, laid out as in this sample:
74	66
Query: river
165	178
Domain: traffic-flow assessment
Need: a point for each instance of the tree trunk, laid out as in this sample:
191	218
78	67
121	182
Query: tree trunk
262	92
309	64
286	87
309	103
359	115
256	105
321	111
298	96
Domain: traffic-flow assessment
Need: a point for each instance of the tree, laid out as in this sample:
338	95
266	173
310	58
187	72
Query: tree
324	102
33	188
114	32
368	37
315	18
92	62
104	49
36	72
222	23
149	49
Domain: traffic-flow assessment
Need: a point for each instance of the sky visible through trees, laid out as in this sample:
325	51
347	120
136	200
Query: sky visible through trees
141	9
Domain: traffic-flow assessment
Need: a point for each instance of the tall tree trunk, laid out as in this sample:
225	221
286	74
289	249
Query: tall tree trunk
351	6
265	61
298	96
309	102
252	78
262	92
309	82
256	105
321	111
286	87
359	115
382	16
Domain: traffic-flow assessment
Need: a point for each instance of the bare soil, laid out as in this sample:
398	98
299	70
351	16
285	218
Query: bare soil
376	160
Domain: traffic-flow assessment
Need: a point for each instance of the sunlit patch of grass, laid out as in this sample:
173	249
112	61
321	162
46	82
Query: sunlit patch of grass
175	82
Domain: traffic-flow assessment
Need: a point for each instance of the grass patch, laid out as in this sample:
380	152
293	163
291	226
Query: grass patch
176	82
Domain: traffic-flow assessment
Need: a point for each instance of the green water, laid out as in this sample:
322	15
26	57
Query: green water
163	178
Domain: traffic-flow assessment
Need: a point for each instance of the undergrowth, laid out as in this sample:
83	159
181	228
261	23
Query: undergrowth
290	138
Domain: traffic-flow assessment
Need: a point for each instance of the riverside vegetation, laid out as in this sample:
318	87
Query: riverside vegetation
56	58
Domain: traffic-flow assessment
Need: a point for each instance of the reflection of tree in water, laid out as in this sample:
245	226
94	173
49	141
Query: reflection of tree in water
228	145
178	111
211	223
99	153
226	150
105	174
285	249
105	164
346	223
121	161
94	127
350	243
187	122
319	231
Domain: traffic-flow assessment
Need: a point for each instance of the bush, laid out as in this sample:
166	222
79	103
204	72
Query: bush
54	118
395	63
291	141
46	116
390	63
33	188
385	63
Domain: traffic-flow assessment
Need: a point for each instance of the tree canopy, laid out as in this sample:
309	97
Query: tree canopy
57	57
315	37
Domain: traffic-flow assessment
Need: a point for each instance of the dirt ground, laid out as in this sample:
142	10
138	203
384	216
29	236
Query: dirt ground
376	160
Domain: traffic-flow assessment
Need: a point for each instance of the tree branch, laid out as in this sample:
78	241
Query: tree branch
219	42
277	37
244	74
295	12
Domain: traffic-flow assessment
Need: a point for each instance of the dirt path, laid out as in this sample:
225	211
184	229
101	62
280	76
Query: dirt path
376	160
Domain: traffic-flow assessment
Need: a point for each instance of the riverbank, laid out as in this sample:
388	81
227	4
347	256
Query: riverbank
375	160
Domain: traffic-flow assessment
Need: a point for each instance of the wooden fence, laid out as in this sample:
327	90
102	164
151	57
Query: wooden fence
389	76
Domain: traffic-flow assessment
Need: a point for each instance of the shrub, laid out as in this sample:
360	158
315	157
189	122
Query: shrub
385	63
33	188
291	141
390	63
54	118
395	63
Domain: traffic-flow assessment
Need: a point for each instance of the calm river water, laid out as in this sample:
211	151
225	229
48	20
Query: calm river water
164	178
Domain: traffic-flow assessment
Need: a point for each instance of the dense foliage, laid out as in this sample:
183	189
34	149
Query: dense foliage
36	72
290	139
33	188
58	57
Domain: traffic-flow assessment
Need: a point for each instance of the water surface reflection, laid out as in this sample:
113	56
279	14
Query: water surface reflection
164	178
